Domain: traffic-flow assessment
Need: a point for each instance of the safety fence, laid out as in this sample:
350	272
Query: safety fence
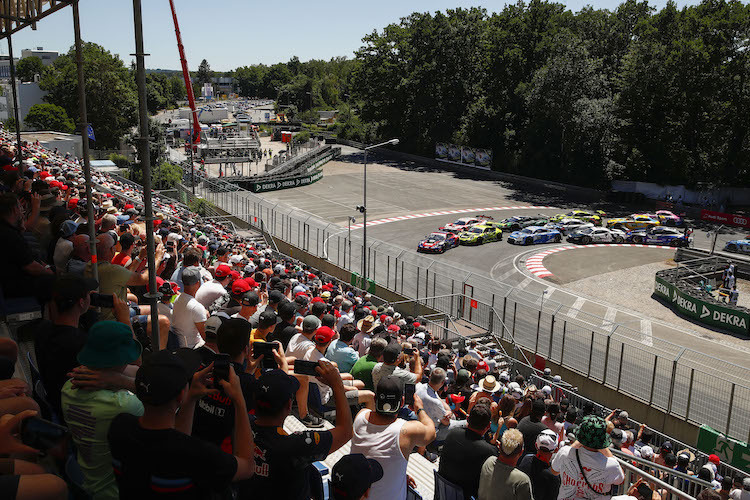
680	381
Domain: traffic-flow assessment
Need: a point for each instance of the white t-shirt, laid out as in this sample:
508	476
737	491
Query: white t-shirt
209	292
361	343
739	494
433	403
345	319
186	312
325	391
165	310
298	346
602	472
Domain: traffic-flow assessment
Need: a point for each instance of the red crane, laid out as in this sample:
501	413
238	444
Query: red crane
196	135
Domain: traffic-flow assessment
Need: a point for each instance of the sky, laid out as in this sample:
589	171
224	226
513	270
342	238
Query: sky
241	32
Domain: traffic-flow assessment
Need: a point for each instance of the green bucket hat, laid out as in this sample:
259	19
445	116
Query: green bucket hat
593	433
109	344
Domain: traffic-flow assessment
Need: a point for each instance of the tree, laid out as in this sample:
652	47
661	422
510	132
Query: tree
204	74
110	92
28	67
49	117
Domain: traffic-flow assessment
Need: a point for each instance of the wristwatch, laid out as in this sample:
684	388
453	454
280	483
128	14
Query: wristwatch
420	409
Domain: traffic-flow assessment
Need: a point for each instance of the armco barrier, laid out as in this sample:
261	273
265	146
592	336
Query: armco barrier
726	318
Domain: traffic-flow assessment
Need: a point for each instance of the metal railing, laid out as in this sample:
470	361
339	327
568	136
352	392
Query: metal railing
680	381
669	483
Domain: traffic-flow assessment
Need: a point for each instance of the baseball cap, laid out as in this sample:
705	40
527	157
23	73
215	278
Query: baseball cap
323	335
267	318
557	379
593	433
546	440
714	459
617	436
275	389
388	395
164	374
275	297
623	415
547	390
310	323
353	475
191	276
212	326
68	228
250	299
72	288
222	271
109	344
647	452
240	287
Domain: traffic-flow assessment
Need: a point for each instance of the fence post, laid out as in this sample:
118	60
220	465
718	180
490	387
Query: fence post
653	379
729	410
606	355
492	315
690	395
551	333
388	271
417	294
538	325
562	349
515	305
671	383
402	277
591	353
505	305
619	371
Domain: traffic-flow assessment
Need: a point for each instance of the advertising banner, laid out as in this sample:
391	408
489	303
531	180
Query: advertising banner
483	158
264	187
722	218
708	313
730	451
441	151
454	152
467	156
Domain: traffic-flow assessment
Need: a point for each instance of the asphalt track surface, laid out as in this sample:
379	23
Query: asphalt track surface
396	189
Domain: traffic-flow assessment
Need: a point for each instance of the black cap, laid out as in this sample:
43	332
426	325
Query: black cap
164	374
250	299
353	475
391	352
275	389
71	287
267	318
388	395
287	310
275	297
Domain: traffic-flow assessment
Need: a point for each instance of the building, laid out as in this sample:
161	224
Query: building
64	143
5	66
29	94
223	85
261	114
47	56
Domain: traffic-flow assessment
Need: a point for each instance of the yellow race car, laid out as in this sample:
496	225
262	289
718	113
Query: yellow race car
481	233
592	216
635	221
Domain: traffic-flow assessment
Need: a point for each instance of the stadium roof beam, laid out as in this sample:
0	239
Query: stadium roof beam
16	15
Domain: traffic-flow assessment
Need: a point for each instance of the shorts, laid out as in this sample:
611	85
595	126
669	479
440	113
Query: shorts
134	310
353	395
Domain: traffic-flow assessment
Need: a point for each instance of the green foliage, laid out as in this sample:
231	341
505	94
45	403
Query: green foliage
579	97
47	116
110	92
163	91
198	206
204	74
120	160
302	137
28	67
10	124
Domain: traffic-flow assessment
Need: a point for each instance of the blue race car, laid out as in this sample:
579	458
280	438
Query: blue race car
739	246
534	234
659	235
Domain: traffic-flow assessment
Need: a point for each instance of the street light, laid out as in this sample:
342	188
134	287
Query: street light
363	208
351	220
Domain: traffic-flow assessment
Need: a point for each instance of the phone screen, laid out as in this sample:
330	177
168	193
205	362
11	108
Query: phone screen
100	300
302	367
409	390
266	349
42	434
221	369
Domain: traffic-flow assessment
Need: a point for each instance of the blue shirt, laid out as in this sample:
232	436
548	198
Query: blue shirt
343	355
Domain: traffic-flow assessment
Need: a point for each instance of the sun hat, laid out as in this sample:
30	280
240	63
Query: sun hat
592	433
489	384
366	324
109	344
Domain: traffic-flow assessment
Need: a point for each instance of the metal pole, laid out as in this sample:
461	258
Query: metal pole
84	138
190	154
364	219
140	77
729	410
19	152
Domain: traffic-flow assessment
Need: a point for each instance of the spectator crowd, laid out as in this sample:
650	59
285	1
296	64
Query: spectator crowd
247	338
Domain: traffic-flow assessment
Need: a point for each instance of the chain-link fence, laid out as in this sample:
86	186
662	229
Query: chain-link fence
678	380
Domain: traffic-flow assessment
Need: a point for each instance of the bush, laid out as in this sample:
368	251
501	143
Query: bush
120	160
199	206
302	137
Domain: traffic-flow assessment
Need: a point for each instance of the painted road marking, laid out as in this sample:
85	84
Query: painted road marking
524	283
646	334
576	307
535	266
449	212
609	317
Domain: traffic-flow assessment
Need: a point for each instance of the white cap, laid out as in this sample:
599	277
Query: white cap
235	259
513	386
557	379
546	440
647	452
547	371
547	390
504	376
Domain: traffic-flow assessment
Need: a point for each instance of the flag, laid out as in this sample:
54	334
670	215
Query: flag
90	132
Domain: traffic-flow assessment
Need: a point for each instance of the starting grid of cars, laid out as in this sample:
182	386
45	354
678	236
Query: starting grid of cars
576	226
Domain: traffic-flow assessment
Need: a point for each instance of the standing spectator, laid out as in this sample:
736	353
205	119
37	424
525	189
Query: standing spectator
465	450
347	315
362	340
392	358
531	425
362	369
127	241
266	324
340	351
742	493
80	256
212	290
283	461
499	478
587	468
286	329
109	349
157	452
382	436
353	475
249	301
188	315
726	487
64	245
544	484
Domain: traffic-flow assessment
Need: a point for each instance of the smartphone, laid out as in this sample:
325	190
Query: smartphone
266	349
221	368
99	300
42	434
263	287
409	390
302	367
409	351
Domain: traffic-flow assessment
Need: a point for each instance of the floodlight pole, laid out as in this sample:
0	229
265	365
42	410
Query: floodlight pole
153	295
13	82
85	140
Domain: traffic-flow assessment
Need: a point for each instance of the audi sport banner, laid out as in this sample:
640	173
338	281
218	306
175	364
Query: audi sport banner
483	158
722	218
471	157
467	156
441	151
454	153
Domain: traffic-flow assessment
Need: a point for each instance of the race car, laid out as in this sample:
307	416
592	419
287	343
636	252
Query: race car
534	234
668	218
481	233
567	226
522	221
597	235
635	221
464	223
739	246
660	235
438	242
595	216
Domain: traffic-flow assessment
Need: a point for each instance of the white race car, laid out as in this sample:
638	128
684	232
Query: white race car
464	223
567	226
597	235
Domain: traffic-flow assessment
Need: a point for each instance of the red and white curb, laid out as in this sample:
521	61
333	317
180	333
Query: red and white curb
449	212
535	266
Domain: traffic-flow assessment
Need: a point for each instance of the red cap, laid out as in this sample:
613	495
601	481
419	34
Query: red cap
239	287
156	221
327	287
394	328
456	398
128	206
159	283
416	324
64	187
73	202
252	283
235	275
382	318
483	366
318	299
323	335
311	276
714	459
222	271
